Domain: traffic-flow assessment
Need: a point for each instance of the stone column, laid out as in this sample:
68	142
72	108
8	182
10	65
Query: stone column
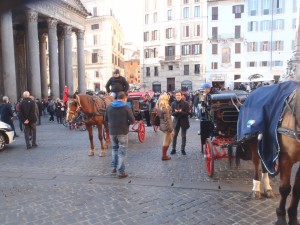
68	58
33	53
21	63
80	62
61	61
8	56
53	58
43	60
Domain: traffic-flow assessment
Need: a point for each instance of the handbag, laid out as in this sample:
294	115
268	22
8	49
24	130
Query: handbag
154	118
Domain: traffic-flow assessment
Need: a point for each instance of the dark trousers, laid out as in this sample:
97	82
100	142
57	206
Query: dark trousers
30	130
183	136
51	116
20	123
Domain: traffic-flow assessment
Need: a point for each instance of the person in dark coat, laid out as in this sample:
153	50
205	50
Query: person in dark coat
119	115
180	112
40	109
58	111
116	84
7	114
28	116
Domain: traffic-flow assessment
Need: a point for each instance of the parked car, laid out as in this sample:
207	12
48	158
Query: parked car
6	135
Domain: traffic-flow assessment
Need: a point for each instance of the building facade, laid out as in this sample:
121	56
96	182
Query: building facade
172	55
104	44
35	39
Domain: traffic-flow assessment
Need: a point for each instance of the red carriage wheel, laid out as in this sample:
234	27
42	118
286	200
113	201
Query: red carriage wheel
155	128
141	131
209	157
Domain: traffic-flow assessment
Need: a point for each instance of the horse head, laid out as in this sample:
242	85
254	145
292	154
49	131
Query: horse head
72	111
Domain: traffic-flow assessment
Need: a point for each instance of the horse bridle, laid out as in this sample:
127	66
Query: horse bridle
75	113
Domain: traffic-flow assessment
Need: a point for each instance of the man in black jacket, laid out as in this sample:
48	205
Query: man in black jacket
116	84
119	115
7	114
180	112
29	118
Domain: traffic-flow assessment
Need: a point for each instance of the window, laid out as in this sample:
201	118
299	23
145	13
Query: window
278	24
253	7
266	7
214	65
146	18
277	63
154	35
148	71
186	32
214	32
214	49
170	67
197	69
185	49
294	23
237	10
237	65
147	53
154	17
170	14
169	3
265	25
252	47
95	26
95	39
186	12
96	74
214	13
197	49
279	6
169	33
197	11
94	57
196	1
237	48
237	32
186	70
185	1
197	30
253	26
278	45
155	71
251	64
146	36
170	52
264	63
264	46
94	11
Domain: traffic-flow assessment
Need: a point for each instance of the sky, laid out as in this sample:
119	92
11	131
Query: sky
129	14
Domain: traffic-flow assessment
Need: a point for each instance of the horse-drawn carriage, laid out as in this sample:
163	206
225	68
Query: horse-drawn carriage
218	125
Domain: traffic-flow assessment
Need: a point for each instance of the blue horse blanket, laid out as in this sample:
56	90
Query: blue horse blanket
261	113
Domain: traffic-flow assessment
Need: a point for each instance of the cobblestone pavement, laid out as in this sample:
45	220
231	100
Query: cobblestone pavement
58	183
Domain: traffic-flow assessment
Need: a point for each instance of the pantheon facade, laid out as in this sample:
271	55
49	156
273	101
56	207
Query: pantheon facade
36	48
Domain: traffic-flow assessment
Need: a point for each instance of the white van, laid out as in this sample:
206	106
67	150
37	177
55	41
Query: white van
6	135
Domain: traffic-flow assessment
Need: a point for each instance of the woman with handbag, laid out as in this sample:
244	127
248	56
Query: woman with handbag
166	125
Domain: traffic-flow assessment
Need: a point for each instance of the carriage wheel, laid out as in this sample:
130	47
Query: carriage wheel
155	128
209	157
141	131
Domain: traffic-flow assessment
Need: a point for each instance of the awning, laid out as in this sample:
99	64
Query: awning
241	80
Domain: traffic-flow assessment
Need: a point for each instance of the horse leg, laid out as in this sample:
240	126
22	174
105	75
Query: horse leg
266	182
107	138
284	187
256	181
89	128
102	152
292	210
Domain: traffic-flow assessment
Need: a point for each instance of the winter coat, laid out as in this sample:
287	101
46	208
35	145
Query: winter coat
117	84
181	118
7	113
166	123
28	110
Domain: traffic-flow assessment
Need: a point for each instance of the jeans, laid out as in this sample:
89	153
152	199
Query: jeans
118	155
183	135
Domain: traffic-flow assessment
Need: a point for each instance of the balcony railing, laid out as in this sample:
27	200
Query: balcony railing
170	57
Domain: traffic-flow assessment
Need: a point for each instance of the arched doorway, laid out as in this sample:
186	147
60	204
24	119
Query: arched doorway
186	85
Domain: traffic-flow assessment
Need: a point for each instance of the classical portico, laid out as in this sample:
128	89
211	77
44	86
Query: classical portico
36	49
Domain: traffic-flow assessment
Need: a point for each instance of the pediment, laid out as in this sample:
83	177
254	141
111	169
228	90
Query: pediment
76	4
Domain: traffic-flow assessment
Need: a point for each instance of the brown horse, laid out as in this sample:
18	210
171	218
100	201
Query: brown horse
92	108
288	138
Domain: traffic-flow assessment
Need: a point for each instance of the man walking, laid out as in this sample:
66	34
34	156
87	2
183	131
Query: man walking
180	111
119	115
29	118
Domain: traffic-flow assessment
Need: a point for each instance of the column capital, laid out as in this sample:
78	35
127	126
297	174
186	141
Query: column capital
31	16
80	34
42	37
52	23
67	30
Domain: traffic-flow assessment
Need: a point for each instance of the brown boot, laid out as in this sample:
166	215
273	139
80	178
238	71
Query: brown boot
164	153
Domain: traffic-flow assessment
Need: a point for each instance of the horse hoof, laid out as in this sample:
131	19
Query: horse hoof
256	195
280	221
102	154
293	221
269	194
91	154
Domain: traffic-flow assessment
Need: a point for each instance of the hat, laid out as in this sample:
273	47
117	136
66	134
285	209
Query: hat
116	71
205	85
